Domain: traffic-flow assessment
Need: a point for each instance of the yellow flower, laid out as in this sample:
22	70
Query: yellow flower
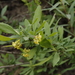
37	39
16	44
26	55
26	50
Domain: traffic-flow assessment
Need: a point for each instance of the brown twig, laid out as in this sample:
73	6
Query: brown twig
2	51
7	66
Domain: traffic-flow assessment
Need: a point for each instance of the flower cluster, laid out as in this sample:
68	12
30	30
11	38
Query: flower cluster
16	44
37	39
25	52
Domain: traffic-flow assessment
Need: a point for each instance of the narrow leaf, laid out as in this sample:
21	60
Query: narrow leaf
4	10
44	61
72	17
60	31
51	22
55	6
71	7
4	38
47	29
36	17
41	26
68	69
7	28
56	59
37	14
32	72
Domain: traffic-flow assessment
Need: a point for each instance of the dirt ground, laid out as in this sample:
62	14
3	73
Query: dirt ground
16	9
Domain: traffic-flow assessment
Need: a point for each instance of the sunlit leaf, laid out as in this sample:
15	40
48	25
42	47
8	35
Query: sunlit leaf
36	17
7	28
4	38
47	29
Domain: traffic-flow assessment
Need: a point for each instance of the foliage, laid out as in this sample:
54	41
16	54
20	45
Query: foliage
2	16
42	42
31	5
65	11
8	59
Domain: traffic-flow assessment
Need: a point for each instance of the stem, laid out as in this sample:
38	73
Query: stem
11	65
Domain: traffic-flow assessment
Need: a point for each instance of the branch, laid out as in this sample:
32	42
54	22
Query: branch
7	66
2	51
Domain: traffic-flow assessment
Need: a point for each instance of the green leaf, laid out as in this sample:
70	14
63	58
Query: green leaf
68	31
26	38
35	25
55	31
62	62
41	26
0	32
36	17
51	22
40	70
37	14
4	17
68	16
2	69
61	12
47	29
60	31
32	53
56	59
45	43
68	50
7	28
25	71
32	72
4	10
53	34
64	2
55	6
24	1
4	38
52	1
27	25
68	69
42	62
25	65
8	46
2	42
37	2
71	7
72	17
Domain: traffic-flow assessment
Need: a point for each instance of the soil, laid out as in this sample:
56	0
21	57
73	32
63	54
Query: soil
18	11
